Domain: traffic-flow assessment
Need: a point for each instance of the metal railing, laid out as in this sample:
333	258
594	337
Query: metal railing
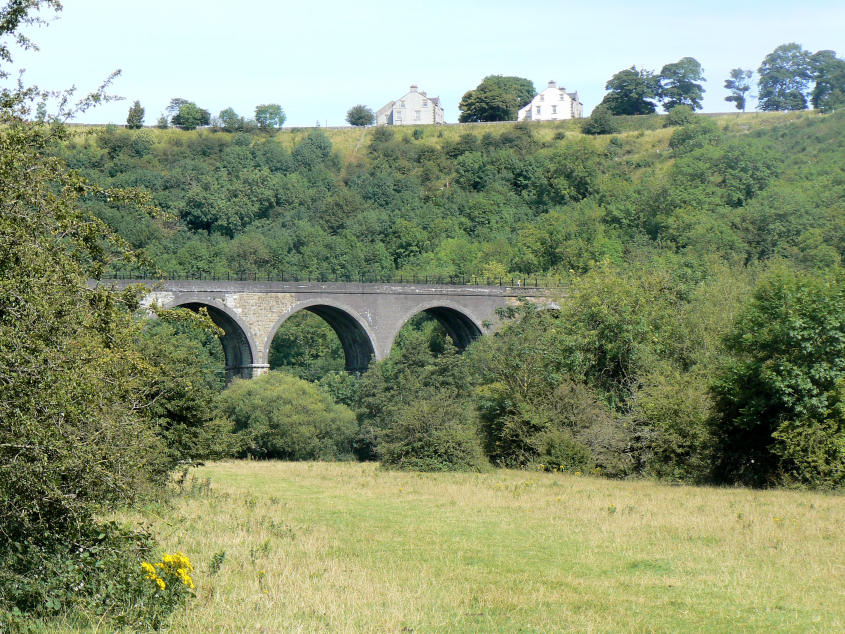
512	281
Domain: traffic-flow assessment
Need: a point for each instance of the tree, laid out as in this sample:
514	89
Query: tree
739	83
678	84
269	115
75	431
780	405
190	116
135	118
829	75
231	121
360	115
496	98
784	76
279	416
632	91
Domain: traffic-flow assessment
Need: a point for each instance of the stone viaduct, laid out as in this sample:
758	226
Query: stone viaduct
366	316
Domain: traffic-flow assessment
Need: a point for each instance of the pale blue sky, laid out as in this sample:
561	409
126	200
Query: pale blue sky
317	59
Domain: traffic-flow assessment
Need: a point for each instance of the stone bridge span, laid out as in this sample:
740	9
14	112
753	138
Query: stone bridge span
366	317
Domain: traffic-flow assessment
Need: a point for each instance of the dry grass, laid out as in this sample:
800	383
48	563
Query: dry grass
348	547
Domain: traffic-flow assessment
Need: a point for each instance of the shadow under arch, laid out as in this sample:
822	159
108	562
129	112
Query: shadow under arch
355	338
461	328
238	348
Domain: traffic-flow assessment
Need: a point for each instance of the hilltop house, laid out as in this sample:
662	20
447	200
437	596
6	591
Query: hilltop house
415	108
553	104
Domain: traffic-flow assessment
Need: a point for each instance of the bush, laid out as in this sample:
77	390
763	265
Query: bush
600	122
433	435
100	572
679	115
280	416
694	135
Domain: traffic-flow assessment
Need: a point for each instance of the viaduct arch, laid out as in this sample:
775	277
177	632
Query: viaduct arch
366	317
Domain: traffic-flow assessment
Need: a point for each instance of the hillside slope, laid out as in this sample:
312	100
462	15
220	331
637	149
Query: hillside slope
485	199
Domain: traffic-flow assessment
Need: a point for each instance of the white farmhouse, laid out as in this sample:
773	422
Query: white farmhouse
415	108
553	104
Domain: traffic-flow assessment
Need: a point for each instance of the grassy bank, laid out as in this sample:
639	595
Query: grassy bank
348	547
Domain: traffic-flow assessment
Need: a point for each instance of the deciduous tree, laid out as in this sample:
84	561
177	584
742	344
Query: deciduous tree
496	98
190	116
678	84
829	75
231	121
269	115
360	115
781	403
632	91
784	76
739	83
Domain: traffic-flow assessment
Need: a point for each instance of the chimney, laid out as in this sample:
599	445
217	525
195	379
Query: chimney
413	88
552	84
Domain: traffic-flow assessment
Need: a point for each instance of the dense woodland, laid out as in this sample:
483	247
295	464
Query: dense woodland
700	335
668	241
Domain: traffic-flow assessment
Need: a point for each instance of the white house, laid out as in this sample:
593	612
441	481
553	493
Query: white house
415	108
553	104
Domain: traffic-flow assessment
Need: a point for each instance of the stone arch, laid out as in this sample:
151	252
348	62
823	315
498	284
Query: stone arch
237	341
354	334
461	327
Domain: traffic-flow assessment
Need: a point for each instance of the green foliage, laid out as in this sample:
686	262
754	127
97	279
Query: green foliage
600	122
496	98
739	84
307	347
189	116
279	416
135	118
829	76
231	121
784	76
360	115
632	91
678	85
679	115
433	435
185	367
424	366
779	404
76	434
270	115
96	576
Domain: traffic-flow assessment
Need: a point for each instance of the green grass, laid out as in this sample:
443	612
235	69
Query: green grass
349	547
349	142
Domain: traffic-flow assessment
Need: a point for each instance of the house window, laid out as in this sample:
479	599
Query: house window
538	109
562	96
542	97
425	104
554	109
402	104
416	115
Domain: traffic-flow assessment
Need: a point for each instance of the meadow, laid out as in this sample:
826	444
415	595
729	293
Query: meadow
311	546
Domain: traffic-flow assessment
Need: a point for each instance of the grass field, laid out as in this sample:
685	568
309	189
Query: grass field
349	141
349	547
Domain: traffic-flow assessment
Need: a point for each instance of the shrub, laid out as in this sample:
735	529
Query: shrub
97	574
694	135
433	435
280	416
600	122
679	115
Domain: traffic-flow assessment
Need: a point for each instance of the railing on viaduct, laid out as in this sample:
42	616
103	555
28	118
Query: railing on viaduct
366	316
514	281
